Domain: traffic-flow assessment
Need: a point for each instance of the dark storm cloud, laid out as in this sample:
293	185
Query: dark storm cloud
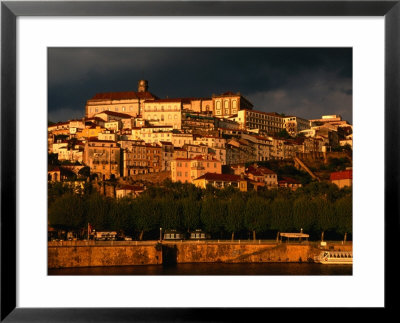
305	82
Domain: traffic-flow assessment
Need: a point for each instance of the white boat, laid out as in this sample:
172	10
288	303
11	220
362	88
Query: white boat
335	258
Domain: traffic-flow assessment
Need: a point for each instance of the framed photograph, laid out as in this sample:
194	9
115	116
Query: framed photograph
198	158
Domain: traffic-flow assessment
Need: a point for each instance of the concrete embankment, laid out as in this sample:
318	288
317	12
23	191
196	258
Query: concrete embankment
84	254
241	253
88	254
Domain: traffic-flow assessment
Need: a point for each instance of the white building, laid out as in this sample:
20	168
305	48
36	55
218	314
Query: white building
165	112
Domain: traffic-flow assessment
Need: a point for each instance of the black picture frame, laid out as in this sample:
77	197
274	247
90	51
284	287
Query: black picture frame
10	10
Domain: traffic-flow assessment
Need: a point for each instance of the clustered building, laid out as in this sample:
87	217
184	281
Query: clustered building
129	133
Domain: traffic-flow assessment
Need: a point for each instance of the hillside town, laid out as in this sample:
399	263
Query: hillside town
134	138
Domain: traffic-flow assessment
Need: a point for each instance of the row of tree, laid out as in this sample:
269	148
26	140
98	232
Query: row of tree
226	213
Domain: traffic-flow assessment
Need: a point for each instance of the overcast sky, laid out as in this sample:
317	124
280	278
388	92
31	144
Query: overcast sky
305	82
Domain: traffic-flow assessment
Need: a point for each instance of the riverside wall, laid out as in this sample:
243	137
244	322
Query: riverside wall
77	254
246	252
88	255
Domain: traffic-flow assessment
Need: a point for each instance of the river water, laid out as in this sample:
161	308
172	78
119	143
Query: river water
281	269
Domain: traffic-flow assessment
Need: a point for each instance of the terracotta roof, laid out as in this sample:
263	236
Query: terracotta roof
152	145
100	141
228	93
94	118
345	174
237	165
199	157
288	180
196	99
130	95
259	169
255	172
90	124
117	114
220	177
182	100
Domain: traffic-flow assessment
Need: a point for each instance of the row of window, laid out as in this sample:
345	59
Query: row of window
226	104
263	116
167	108
101	151
155	117
218	111
262	127
104	167
102	145
270	123
116	109
198	164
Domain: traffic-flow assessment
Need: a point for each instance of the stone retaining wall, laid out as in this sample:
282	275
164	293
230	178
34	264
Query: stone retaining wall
83	254
244	253
93	256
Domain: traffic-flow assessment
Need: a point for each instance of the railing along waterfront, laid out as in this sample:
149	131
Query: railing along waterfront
83	243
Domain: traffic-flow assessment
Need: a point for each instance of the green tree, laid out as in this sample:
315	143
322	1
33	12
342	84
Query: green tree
283	134
67	212
147	213
344	215
190	213
98	211
325	216
304	214
281	215
234	215
123	217
170	215
256	216
212	215
84	172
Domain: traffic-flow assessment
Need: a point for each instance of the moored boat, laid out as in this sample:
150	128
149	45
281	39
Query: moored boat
335	258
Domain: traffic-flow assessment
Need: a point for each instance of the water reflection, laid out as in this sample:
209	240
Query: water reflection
197	269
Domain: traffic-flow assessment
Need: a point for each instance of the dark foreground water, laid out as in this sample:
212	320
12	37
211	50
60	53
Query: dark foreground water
212	269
